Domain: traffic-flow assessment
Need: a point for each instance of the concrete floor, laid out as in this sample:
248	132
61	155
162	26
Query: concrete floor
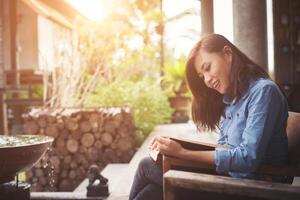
296	181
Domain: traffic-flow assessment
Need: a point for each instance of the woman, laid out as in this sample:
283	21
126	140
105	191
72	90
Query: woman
232	93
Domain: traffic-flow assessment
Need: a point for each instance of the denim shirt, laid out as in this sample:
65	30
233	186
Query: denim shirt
255	129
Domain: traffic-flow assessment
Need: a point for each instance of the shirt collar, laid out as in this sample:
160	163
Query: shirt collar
231	101
228	100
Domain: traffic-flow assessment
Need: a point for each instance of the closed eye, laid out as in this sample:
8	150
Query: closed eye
206	67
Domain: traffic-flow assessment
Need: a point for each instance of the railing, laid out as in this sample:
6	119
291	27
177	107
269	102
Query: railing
4	103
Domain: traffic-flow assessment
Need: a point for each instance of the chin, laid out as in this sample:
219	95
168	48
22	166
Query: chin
221	91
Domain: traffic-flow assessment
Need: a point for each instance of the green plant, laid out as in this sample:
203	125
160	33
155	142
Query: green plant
174	78
148	103
115	63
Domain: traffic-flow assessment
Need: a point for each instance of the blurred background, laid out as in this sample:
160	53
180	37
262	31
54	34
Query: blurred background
131	53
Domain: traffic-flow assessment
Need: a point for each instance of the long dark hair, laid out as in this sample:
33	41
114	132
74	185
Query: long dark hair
207	103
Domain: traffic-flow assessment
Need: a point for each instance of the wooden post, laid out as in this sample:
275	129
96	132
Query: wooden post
3	115
207	17
17	111
2	75
161	29
13	40
251	14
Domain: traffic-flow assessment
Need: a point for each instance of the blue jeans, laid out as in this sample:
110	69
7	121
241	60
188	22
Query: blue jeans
148	180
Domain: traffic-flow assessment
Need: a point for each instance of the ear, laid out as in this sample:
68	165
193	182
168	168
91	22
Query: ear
227	53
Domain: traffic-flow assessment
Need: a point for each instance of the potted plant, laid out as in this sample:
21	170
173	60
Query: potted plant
175	87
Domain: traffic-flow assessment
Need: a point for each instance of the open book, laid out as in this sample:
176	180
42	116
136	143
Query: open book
188	143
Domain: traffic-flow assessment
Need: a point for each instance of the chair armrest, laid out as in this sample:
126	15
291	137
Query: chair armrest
226	185
286	170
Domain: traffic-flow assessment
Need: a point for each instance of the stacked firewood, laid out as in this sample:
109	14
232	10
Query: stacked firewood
82	138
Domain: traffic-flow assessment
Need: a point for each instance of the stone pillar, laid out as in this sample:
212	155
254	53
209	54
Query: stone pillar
250	29
207	16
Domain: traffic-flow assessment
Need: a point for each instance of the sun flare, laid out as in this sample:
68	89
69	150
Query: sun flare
92	9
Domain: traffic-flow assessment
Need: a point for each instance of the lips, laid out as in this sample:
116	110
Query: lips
216	84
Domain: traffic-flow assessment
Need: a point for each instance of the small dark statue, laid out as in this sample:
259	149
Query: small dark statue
96	188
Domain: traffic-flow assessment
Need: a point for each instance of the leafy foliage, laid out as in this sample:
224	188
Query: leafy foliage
174	82
147	101
118	65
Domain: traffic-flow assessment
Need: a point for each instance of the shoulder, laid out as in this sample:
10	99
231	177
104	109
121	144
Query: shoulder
263	85
266	90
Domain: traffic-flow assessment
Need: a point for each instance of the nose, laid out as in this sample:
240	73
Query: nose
208	80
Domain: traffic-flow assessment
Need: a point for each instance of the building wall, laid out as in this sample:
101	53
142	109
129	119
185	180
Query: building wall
41	43
38	40
55	45
65	44
27	37
45	44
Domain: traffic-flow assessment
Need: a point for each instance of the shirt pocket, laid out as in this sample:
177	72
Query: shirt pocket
237	128
240	118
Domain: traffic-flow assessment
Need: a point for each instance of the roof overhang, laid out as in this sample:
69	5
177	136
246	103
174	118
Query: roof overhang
48	12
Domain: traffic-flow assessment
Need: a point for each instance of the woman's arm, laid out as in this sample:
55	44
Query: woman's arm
205	157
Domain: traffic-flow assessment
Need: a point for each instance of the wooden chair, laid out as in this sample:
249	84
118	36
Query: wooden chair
210	182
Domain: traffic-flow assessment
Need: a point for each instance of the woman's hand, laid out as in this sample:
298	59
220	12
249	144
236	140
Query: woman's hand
169	147
166	146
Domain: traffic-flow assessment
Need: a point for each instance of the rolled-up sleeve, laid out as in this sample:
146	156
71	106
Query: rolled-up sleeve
222	161
264	104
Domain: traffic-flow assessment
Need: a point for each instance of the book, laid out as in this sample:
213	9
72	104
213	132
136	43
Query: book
195	144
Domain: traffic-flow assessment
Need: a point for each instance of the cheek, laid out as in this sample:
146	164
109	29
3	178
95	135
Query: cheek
226	79
227	72
217	70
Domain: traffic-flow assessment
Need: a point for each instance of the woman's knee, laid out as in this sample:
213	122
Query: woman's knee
146	162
